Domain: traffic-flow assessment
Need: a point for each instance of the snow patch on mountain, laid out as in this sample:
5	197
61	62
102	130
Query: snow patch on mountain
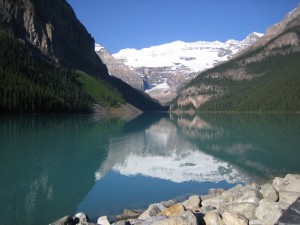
196	56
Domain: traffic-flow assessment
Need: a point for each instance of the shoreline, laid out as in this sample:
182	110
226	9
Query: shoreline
275	202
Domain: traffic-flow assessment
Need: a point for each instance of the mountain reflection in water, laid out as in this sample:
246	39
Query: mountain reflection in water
160	151
52	166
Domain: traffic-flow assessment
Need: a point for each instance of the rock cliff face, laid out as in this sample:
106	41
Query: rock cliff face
52	27
118	69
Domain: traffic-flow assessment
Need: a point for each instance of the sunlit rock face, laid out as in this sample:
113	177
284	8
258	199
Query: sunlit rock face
161	152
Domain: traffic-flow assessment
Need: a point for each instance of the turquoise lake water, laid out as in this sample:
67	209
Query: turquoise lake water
52	166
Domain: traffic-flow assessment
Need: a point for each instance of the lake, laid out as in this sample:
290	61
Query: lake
52	166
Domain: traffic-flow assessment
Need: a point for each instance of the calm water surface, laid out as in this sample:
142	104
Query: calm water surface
51	166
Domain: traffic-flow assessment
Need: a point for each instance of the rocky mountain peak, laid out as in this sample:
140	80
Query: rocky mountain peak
118	69
169	66
291	20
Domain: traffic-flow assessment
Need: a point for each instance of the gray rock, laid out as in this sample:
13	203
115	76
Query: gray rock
153	220
206	209
248	195
229	195
293	186
122	222
232	218
279	183
253	186
215	191
255	222
193	203
292	215
103	220
190	217
215	202
282	183
246	209
152	210
283	205
269	192
268	212
187	218
67	220
129	214
213	218
169	203
82	217
288	197
291	177
135	221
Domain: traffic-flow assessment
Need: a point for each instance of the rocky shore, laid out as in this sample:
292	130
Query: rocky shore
275	202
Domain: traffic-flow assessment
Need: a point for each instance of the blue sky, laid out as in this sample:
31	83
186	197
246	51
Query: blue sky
119	24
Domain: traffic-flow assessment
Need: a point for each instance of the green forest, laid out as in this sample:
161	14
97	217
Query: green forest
278	89
274	86
31	84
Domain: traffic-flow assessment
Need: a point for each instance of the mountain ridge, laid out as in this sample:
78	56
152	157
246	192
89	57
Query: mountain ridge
169	66
53	46
263	77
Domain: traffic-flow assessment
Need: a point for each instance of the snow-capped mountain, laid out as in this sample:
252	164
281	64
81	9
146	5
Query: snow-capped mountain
161	152
167	67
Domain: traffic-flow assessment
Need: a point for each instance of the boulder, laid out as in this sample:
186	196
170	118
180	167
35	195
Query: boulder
215	191
152	210
213	218
279	183
172	211
232	218
283	205
248	195
291	215
153	220
82	217
282	183
190	217
206	209
229	195
253	186
288	197
129	214
122	222
169	203
269	192
268	212
293	186
193	203
291	177
215	202
135	221
246	209
103	220
256	222
186	218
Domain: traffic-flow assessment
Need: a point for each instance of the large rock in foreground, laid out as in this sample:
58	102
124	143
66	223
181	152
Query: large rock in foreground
241	205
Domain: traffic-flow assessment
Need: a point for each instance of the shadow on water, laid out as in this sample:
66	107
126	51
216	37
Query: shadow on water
47	164
261	145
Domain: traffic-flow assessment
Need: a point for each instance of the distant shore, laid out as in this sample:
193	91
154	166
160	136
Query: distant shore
275	202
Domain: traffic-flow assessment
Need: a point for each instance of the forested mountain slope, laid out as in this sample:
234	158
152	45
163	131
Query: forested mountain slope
46	45
266	77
